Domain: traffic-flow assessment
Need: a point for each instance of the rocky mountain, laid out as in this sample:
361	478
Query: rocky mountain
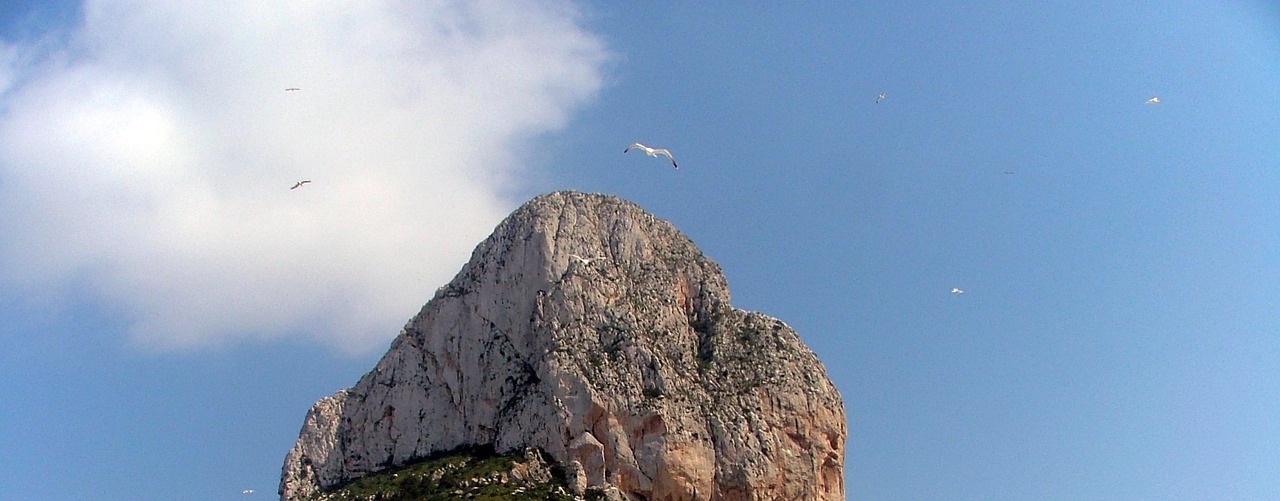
598	335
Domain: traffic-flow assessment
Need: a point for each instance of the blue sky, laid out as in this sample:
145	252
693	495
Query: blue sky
169	309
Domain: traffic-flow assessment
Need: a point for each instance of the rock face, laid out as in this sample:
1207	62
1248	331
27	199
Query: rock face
625	364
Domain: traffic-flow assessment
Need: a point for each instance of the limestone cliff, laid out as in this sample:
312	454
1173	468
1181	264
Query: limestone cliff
627	367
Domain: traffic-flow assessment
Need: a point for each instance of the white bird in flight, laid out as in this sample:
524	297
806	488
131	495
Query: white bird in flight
956	291
247	491
880	97
1153	100
300	183
586	261
653	152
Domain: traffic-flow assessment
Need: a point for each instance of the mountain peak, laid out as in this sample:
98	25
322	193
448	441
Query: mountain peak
587	328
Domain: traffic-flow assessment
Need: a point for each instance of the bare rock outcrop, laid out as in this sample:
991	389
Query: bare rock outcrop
593	331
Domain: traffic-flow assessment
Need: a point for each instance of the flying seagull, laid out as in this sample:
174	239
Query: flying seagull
292	89
653	152
1153	100
956	291
247	491
586	261
300	183
880	97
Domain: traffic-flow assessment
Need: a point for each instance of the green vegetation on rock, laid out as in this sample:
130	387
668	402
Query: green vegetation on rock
466	474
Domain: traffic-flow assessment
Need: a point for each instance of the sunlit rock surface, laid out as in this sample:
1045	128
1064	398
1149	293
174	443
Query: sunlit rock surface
628	368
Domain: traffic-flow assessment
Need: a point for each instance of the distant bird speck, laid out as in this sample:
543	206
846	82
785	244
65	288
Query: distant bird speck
1153	100
292	89
880	97
300	183
653	152
247	491
956	291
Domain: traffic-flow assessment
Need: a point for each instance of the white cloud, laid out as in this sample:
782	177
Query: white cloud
150	160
